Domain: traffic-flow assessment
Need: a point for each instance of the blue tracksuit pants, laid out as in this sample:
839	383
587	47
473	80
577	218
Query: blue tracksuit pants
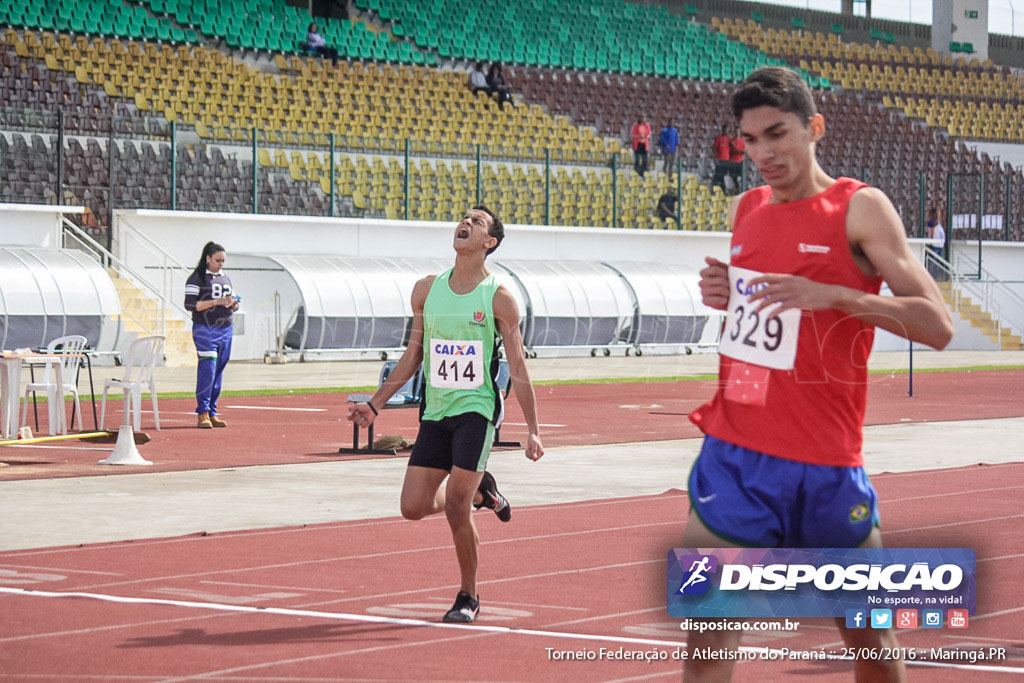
213	344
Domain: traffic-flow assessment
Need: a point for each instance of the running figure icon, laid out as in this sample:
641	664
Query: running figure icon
697	570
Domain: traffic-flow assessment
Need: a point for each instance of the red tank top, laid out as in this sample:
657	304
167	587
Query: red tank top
813	413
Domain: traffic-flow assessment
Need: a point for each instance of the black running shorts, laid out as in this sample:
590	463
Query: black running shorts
462	441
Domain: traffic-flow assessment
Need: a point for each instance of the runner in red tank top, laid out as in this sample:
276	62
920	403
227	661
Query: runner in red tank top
781	460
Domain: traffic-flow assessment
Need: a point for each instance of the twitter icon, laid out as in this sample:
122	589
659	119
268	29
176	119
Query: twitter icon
881	618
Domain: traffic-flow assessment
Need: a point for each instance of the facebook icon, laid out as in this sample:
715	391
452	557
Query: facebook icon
856	618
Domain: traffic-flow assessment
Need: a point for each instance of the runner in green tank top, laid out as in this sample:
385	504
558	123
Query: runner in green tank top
460	318
461	347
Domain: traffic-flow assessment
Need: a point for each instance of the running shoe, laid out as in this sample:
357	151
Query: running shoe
492	499
464	610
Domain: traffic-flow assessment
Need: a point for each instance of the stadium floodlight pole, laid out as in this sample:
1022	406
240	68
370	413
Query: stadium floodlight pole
1006	222
111	150
405	185
479	177
946	251
547	186
60	156
981	219
330	138
615	191
922	199
910	371
174	167
255	173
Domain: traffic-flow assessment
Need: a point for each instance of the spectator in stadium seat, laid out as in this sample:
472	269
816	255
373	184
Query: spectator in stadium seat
496	82
641	135
723	153
668	141
667	207
316	43
478	79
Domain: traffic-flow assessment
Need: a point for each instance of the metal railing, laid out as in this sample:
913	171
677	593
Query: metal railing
994	296
988	292
75	237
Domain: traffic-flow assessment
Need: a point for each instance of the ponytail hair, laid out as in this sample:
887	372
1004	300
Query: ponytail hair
209	249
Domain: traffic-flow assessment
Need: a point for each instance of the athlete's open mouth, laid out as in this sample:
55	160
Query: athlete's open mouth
463	233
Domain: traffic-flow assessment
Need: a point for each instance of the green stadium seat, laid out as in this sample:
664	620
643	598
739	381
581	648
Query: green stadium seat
837	29
798	23
967	48
955	47
757	17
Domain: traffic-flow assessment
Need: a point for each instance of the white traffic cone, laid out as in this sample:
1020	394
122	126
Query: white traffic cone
125	452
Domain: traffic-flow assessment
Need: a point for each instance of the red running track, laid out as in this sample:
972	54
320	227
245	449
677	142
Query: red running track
311	427
577	571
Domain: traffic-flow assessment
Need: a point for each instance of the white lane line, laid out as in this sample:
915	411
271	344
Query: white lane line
337	616
1001	557
293	410
399	621
647	677
65	571
523	424
275	587
947	494
41	446
963	522
439	598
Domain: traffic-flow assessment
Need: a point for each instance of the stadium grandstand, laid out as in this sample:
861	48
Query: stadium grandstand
93	89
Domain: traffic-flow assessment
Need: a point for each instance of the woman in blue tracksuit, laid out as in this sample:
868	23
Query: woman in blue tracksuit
208	295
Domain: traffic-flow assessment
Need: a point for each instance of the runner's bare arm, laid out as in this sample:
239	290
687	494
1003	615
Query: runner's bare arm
506	315
915	312
407	364
714	278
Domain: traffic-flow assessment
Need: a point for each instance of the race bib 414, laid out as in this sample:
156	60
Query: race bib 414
456	364
751	336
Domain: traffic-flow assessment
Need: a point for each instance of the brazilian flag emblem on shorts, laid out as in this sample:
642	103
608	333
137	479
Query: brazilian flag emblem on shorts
859	512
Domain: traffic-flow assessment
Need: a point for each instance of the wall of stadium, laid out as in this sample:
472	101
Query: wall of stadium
182	235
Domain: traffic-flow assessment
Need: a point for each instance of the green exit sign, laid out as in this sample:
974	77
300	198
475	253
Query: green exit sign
971	13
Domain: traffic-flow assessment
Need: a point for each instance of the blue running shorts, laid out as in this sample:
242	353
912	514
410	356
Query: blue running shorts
762	501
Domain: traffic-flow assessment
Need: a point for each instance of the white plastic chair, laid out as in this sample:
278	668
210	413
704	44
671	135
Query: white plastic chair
71	345
139	367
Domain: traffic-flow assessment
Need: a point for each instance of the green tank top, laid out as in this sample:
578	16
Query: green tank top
460	351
